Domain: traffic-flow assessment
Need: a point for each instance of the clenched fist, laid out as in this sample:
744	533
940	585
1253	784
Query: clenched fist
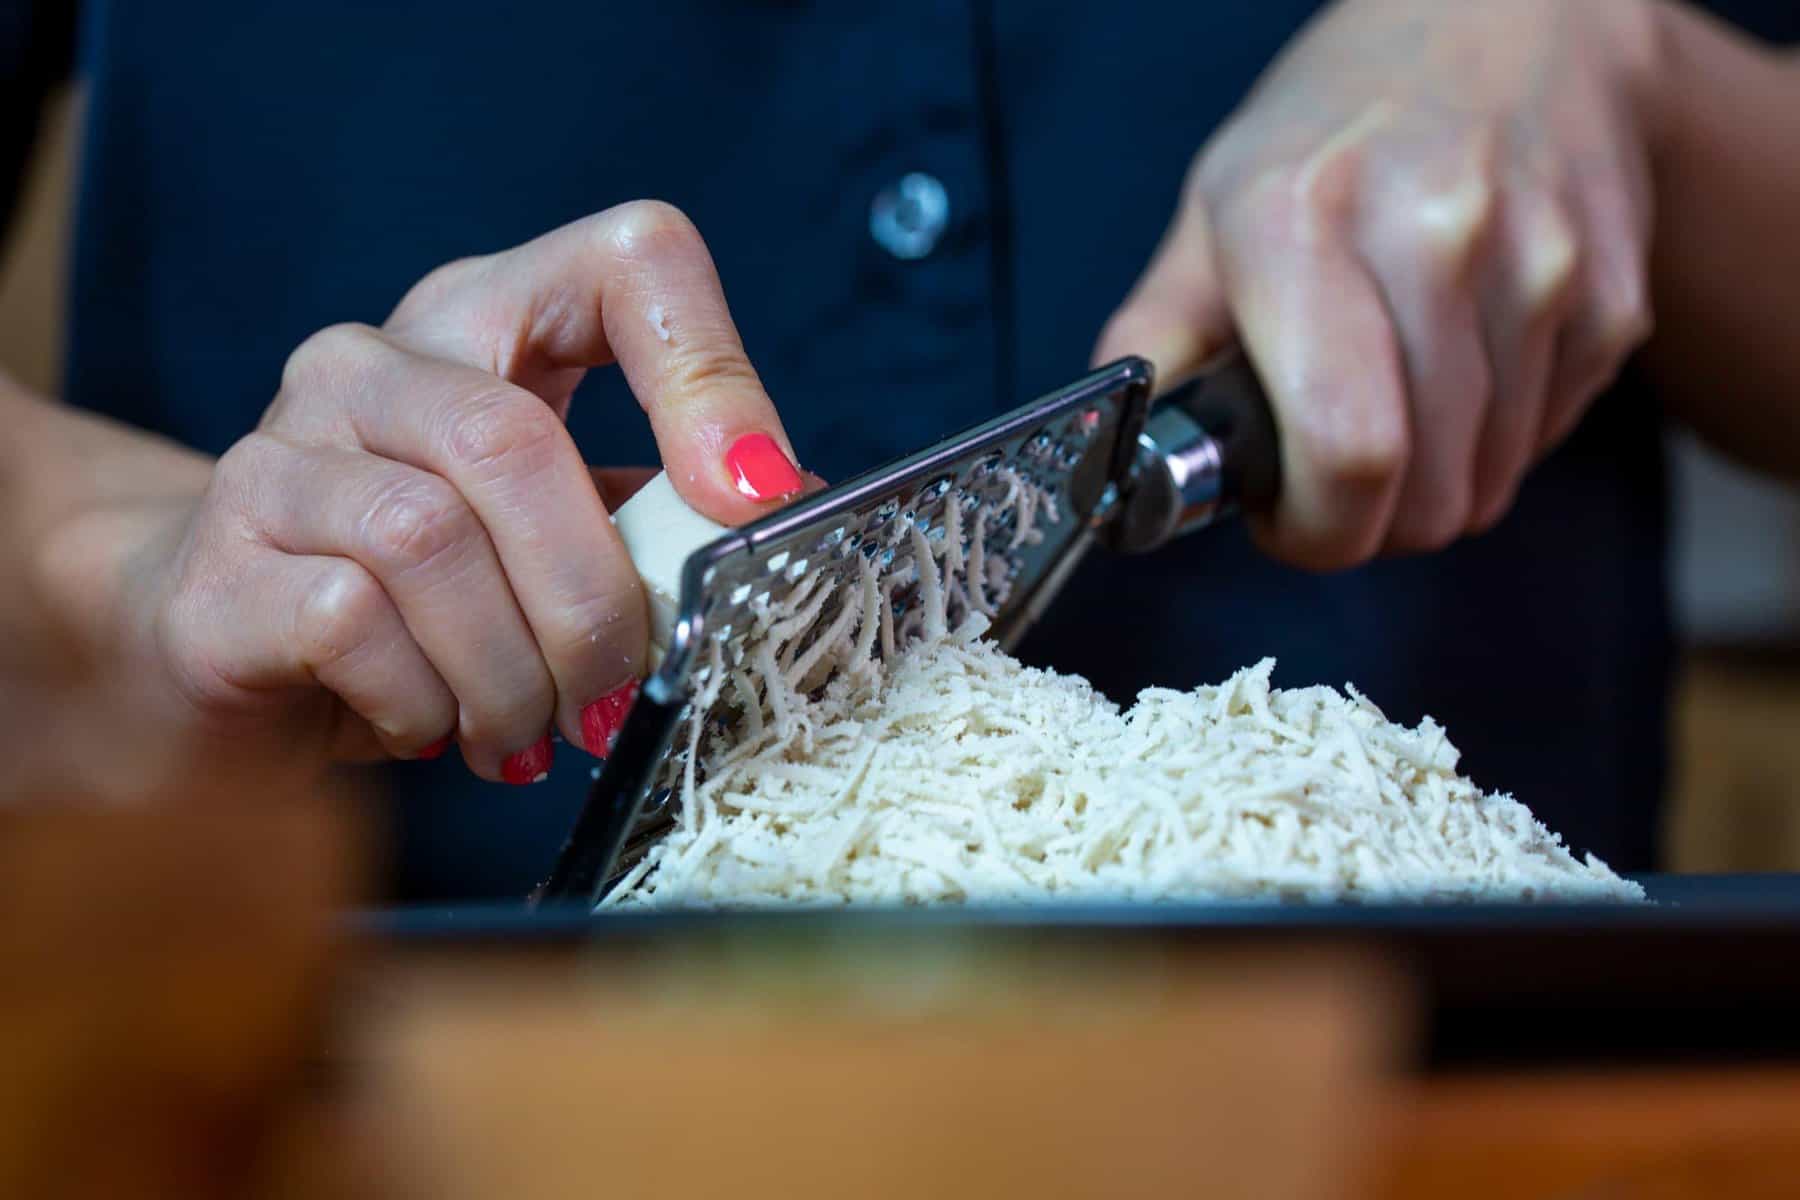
1429	225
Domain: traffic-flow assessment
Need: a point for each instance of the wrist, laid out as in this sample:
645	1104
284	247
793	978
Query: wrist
85	503
58	461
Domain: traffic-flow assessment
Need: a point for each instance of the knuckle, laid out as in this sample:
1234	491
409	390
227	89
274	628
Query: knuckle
1320	190
1208	171
340	612
1325	548
1414	535
326	355
502	433
1489	511
182	637
1441	523
250	458
1623	318
1212	178
415	521
445	310
1347	460
238	490
1352	452
641	229
510	724
701	368
1336	554
1364	539
1551	260
1307	200
441	283
1451	224
606	629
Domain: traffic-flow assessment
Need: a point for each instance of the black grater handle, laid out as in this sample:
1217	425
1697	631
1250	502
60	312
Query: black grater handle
1209	449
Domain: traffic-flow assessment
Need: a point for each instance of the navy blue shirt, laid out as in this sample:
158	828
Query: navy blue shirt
252	172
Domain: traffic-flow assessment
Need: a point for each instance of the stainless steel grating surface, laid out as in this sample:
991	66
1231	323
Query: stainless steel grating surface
1021	486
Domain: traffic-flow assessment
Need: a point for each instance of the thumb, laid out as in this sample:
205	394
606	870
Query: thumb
1176	315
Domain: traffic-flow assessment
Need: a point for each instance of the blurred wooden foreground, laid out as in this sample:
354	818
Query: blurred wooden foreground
181	1015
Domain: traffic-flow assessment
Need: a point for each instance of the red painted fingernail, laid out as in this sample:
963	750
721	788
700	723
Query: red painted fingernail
760	470
602	720
435	750
528	765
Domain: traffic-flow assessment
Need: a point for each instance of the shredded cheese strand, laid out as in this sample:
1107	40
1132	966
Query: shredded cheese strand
883	757
962	775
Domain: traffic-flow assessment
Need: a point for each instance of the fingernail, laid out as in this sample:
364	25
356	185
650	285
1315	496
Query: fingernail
760	470
528	765
602	720
435	750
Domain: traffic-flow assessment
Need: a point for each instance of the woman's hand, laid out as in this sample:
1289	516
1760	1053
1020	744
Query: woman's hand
1430	226
410	549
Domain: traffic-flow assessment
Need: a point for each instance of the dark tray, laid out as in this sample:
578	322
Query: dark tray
1709	972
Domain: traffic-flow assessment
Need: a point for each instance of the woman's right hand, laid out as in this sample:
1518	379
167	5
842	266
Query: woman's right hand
410	549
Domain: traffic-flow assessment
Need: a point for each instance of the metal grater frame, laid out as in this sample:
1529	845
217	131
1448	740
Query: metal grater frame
1075	445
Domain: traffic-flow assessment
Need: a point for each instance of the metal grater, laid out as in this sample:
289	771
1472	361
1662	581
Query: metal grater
1108	469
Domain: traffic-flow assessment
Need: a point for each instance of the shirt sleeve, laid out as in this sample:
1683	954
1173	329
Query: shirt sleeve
37	52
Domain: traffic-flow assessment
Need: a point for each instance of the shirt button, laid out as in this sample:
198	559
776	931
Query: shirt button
908	218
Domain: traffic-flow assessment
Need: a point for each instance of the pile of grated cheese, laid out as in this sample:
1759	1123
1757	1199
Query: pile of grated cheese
957	774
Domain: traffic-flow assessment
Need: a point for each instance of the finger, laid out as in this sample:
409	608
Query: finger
1526	298
516	467
634	284
1176	315
1424	239
1611	314
1448	378
1314	322
414	533
283	621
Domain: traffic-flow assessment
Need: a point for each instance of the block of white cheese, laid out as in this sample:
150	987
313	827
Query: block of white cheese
660	531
